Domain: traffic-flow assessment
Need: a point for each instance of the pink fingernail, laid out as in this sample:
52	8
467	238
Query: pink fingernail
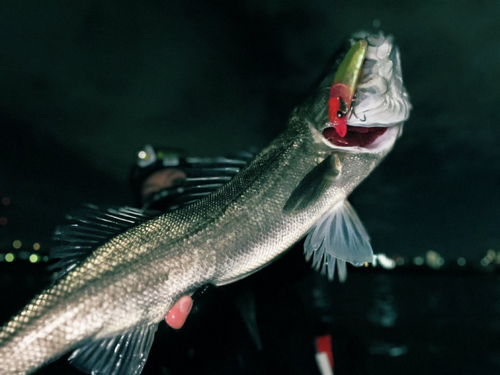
185	304
178	314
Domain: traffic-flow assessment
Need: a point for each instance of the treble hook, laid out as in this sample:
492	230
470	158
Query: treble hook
355	115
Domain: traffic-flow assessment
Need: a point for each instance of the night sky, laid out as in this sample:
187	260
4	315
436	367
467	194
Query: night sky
85	84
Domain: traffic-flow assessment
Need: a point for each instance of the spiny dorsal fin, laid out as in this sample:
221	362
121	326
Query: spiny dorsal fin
120	355
90	228
313	185
338	237
203	177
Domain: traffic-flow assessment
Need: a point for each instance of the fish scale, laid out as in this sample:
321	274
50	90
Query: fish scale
133	279
140	273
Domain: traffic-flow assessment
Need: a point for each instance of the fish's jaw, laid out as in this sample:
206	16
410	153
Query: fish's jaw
383	144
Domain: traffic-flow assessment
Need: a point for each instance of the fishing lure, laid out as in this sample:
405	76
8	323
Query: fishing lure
344	86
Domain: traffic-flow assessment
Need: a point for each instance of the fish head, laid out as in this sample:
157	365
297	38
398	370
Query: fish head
379	107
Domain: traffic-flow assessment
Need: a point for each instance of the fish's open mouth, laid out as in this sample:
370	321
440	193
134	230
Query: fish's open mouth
381	103
357	136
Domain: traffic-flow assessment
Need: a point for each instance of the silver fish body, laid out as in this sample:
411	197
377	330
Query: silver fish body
135	278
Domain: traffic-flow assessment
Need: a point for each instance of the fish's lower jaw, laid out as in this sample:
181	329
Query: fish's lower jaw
382	144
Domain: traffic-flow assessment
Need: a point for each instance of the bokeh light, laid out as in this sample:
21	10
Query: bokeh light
418	261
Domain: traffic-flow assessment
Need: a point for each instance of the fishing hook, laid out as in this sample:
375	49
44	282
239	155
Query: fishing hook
355	115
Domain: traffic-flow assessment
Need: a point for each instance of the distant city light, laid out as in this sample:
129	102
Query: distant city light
400	261
34	258
9	257
36	246
45	258
384	261
485	262
434	259
142	155
461	261
418	261
16	244
3	220
5	201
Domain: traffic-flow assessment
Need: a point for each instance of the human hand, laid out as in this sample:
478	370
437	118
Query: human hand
162	179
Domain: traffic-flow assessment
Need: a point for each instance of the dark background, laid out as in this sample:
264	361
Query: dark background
85	84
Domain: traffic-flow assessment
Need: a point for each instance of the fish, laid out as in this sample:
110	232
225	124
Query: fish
123	269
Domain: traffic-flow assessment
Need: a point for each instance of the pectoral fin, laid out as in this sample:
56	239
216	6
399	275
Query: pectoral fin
338	237
312	186
120	355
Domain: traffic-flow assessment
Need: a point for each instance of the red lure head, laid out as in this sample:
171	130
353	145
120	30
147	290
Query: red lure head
337	114
338	107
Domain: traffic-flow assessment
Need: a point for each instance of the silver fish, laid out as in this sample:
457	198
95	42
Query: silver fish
107	307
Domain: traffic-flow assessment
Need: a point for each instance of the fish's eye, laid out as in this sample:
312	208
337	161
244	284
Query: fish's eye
340	114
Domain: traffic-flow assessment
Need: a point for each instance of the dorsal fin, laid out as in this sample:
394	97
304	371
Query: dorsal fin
88	229
338	237
203	177
91	227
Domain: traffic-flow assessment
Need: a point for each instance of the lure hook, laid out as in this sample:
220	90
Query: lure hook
355	115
